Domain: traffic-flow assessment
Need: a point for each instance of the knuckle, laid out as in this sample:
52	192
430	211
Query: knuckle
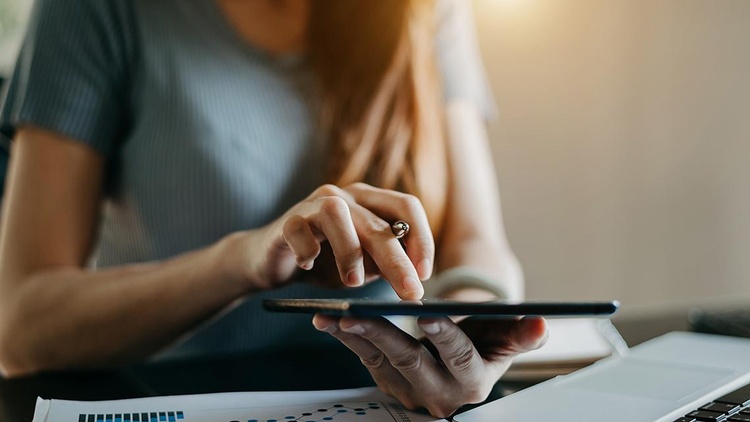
333	206
294	225
373	361
462	359
411	203
408	362
359	186
327	190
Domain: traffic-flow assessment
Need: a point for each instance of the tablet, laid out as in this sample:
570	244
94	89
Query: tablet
439	307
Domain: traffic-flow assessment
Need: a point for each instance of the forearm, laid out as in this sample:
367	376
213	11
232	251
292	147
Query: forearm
473	235
493	263
72	317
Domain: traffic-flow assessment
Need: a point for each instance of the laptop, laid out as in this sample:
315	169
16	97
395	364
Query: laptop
676	377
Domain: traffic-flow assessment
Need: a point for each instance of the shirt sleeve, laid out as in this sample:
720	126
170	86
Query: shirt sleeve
73	72
459	58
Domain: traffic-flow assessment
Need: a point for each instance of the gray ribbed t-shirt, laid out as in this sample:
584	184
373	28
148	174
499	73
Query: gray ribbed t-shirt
204	134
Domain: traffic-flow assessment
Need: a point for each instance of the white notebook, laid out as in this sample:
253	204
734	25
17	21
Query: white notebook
572	345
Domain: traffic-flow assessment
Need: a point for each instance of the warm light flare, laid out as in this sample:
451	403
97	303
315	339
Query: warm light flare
508	6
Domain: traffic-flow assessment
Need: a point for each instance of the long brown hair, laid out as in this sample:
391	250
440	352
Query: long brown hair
382	105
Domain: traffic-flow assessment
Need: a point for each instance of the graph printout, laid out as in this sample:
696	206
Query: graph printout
356	405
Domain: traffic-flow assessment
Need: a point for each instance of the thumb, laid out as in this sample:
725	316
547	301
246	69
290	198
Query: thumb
530	333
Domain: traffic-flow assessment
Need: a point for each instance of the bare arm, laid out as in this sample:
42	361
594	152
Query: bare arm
48	299
56	314
474	234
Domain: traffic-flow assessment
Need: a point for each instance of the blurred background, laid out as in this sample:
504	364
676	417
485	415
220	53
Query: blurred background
13	15
622	144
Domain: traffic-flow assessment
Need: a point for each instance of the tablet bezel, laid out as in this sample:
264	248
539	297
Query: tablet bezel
439	307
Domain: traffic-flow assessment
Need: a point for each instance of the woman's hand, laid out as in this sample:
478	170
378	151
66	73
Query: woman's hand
355	223
455	364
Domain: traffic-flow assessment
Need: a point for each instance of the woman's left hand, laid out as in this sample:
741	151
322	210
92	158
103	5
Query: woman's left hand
455	364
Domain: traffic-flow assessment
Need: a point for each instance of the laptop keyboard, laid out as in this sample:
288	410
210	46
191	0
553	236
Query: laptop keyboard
732	407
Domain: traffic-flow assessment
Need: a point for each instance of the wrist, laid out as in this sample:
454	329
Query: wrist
467	282
469	294
234	263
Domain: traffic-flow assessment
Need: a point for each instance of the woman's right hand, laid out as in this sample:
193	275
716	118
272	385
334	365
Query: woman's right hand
355	222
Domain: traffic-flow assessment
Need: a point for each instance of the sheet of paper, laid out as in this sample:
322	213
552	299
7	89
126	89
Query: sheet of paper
360	405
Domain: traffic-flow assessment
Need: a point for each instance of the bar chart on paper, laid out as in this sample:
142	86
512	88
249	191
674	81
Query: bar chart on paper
173	416
357	405
336	412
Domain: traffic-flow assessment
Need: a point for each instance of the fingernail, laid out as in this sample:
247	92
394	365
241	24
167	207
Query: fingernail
424	268
538	343
307	265
413	287
533	344
328	329
431	328
354	329
354	279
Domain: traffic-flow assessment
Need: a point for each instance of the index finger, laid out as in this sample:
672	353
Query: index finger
396	206
377	239
455	348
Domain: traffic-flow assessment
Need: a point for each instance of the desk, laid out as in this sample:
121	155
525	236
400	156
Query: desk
288	370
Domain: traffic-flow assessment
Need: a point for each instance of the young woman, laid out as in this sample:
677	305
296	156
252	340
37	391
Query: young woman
175	162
